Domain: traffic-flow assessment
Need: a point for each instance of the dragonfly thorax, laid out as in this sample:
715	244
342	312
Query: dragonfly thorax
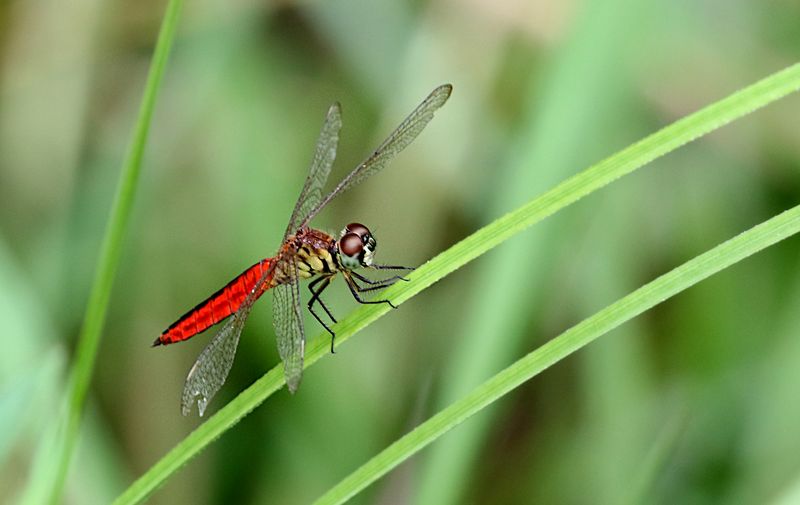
356	246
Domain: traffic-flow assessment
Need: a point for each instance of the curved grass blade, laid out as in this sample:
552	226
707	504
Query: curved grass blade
89	338
695	125
646	297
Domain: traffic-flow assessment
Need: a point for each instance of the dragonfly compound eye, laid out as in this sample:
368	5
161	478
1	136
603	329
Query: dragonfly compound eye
351	245
357	228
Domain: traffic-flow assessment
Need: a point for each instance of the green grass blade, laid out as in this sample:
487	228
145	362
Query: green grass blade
626	308
685	130
89	338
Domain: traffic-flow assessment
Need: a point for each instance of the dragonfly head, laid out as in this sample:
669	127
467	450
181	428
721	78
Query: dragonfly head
356	246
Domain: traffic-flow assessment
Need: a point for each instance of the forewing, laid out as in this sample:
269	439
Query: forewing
209	372
324	155
288	322
398	140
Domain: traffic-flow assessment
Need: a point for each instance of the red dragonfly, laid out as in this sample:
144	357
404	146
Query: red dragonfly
305	253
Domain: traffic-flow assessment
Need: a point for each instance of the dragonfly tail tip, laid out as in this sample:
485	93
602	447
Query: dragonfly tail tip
157	342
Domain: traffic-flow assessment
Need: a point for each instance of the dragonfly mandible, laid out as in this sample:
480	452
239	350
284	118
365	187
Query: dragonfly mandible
305	253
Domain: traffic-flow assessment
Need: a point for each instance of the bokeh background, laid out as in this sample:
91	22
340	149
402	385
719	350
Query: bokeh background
695	402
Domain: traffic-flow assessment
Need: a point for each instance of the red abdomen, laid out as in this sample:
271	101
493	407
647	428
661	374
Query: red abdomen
217	307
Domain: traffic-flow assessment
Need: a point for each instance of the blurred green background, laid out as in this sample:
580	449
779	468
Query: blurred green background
696	402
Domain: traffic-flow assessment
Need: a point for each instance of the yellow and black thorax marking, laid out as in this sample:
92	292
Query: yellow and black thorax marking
314	253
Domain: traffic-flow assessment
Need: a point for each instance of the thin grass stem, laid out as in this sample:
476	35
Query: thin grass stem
110	252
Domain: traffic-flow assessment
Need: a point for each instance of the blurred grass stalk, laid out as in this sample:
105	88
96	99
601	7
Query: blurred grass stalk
53	458
628	160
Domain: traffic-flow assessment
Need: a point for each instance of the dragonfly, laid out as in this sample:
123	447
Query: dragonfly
305	253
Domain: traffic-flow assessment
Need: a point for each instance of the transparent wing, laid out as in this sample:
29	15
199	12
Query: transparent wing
324	155
287	318
209	372
211	369
399	139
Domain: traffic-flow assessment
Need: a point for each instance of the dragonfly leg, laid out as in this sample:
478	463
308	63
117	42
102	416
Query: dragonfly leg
374	285
355	289
365	289
390	267
315	297
383	282
316	294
